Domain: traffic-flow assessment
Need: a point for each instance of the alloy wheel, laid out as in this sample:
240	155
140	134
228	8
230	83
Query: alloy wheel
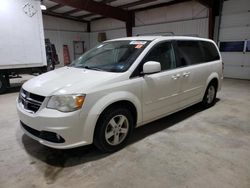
210	94
117	130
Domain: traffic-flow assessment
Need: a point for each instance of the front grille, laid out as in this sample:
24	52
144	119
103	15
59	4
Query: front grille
30	101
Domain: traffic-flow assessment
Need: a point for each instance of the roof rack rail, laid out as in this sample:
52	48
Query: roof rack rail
168	33
192	35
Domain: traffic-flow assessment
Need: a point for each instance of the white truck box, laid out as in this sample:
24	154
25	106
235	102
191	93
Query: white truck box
22	43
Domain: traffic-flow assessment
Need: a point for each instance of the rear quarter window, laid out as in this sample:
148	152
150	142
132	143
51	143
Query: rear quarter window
195	52
210	51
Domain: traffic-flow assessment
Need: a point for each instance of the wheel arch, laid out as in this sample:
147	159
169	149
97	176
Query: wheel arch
126	104
126	99
212	81
214	77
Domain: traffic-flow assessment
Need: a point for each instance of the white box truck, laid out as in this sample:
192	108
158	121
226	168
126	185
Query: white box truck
22	46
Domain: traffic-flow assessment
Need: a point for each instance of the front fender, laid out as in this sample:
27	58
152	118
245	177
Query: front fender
102	104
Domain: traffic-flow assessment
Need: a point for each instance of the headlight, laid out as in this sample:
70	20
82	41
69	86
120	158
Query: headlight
66	103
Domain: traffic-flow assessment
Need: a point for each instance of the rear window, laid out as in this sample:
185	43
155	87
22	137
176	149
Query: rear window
195	52
210	51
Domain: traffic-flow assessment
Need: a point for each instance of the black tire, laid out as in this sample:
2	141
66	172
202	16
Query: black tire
210	95
103	126
50	66
3	84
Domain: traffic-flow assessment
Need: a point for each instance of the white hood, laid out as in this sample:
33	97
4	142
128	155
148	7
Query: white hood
68	80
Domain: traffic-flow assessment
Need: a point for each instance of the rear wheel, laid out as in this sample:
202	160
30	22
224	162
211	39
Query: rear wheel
50	65
210	95
113	129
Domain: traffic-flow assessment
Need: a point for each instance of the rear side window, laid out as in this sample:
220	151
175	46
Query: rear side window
190	53
210	51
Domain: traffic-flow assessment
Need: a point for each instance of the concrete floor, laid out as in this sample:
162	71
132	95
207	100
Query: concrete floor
191	148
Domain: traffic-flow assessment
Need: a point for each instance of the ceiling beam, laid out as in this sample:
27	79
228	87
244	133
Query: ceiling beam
78	10
133	4
86	15
206	3
71	11
108	1
97	8
140	2
55	7
95	19
58	15
173	2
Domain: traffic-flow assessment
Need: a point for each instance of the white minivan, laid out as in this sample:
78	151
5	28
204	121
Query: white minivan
117	86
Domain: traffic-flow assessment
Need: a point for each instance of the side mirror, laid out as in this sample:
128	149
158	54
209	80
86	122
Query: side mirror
151	67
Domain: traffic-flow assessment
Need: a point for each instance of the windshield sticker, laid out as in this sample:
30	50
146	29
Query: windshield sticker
138	42
138	46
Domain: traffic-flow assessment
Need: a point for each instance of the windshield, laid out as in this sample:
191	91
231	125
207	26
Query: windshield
114	56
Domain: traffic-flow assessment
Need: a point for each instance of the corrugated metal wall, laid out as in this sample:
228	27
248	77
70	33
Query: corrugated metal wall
235	26
189	18
197	27
64	32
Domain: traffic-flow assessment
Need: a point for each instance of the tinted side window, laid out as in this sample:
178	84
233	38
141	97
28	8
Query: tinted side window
210	51
164	54
190	53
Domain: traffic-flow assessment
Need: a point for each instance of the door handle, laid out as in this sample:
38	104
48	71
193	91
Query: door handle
186	74
176	76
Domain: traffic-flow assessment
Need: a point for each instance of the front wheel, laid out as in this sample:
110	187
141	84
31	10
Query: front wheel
113	129
210	96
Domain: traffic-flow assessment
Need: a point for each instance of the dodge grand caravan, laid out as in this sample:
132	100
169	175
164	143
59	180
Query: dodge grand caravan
117	86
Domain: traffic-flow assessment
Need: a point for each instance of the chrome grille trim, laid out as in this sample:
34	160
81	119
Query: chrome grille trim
30	102
33	101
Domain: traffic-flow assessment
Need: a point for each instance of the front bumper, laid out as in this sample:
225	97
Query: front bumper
45	135
55	129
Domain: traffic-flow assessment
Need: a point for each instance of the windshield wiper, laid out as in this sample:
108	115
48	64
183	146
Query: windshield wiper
93	68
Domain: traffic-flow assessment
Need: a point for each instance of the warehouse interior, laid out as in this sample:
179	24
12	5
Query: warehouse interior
224	22
194	147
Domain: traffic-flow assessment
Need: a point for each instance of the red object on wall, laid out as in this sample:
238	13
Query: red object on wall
66	56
